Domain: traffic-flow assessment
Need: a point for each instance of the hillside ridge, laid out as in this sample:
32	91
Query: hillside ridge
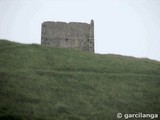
39	82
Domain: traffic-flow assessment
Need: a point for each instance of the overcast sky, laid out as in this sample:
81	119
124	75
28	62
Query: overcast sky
126	27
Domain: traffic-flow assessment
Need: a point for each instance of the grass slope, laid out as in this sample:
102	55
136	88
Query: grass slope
44	83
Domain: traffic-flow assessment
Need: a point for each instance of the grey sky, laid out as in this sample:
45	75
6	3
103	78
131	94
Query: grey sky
126	27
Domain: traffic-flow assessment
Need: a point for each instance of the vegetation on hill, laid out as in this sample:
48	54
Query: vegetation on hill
45	83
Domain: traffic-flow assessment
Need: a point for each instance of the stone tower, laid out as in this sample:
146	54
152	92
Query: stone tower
68	35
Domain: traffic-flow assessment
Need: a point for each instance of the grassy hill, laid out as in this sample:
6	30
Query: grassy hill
44	83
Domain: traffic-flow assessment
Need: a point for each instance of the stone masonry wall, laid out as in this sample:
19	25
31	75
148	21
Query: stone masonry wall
68	35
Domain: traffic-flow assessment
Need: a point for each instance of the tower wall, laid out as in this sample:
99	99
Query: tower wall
68	35
91	37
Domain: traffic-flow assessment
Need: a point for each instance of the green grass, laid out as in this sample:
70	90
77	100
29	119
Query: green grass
44	83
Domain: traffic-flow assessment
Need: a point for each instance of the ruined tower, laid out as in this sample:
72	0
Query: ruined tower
68	35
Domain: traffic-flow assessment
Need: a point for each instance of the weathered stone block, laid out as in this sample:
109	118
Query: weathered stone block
69	35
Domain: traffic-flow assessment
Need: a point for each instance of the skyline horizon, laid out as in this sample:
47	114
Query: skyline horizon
129	28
